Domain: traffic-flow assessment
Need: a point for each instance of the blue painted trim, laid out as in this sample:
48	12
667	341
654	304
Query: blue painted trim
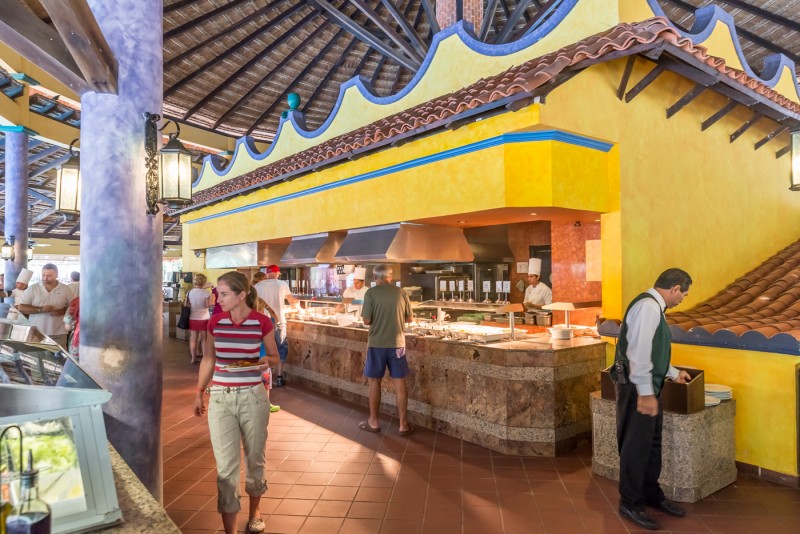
18	129
706	19
464	32
522	137
21	77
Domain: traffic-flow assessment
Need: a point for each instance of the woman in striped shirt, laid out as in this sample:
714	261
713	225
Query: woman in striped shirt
239	404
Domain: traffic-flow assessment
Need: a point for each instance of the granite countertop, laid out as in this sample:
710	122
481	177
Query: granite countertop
140	511
537	341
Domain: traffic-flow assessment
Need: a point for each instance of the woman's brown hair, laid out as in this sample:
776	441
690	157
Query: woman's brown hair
238	283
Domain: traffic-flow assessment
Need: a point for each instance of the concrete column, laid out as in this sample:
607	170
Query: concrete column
447	13
120	243
16	209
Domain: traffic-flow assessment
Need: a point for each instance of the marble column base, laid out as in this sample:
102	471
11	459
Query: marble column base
698	450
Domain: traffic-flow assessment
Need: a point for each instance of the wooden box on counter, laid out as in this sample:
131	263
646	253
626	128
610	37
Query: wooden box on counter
675	398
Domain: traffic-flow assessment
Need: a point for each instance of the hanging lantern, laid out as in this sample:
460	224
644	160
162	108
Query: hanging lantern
31	244
176	173
7	251
68	186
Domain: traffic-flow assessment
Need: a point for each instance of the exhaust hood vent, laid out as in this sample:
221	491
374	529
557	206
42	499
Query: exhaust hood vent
312	249
405	243
489	244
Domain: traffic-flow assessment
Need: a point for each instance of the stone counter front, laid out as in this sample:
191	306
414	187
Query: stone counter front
517	397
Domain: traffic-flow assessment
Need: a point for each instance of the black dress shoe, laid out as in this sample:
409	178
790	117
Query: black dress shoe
639	517
669	507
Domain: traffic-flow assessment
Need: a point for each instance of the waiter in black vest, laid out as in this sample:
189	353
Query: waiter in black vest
641	365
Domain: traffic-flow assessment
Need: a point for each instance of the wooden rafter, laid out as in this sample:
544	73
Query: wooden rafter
408	29
290	85
376	72
505	33
227	31
339	18
384	27
240	46
196	21
764	14
257	87
37	42
169	8
84	39
244	68
488	19
332	72
430	13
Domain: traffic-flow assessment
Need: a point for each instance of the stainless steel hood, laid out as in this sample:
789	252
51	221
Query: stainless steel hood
489	244
405	243
311	249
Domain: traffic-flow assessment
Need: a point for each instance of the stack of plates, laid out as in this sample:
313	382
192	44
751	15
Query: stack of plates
716	393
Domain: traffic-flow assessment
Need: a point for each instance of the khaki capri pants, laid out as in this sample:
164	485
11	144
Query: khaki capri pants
238	416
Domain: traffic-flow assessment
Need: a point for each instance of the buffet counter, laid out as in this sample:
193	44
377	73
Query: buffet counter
527	397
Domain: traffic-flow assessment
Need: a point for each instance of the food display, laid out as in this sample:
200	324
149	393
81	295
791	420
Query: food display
463	331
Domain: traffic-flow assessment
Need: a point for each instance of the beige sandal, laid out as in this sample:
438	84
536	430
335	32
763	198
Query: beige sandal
256	525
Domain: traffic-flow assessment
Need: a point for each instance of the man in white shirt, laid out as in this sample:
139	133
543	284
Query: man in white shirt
356	291
276	294
537	294
46	302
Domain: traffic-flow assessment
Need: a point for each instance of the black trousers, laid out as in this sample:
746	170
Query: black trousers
639	443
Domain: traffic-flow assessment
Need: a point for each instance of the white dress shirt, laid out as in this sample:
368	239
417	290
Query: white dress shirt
643	319
538	295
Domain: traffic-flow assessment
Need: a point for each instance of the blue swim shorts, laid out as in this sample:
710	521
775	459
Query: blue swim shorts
378	359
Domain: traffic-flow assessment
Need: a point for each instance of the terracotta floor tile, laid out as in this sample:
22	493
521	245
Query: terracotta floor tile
325	475
284	524
321	525
396	526
367	510
331	508
360	526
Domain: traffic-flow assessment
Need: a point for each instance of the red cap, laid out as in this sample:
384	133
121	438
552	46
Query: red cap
273	269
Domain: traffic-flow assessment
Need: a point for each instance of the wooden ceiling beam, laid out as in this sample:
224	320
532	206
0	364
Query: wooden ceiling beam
354	28
750	36
37	42
290	86
410	31
84	39
384	26
508	28
241	45
42	216
241	101
330	74
178	5
763	13
377	71
430	13
227	31
488	19
197	21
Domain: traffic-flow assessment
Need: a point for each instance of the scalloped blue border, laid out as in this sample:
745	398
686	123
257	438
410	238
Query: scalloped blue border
752	340
704	22
522	137
462	29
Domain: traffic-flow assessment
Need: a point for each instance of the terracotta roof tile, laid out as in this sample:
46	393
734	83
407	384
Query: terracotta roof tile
523	78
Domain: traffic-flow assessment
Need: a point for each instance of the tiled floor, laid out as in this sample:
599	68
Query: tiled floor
327	476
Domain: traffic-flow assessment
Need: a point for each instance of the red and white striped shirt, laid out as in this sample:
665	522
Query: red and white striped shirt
235	342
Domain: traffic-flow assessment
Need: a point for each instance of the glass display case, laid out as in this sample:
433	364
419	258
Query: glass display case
59	409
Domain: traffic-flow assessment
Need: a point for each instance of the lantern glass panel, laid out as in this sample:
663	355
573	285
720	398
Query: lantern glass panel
68	190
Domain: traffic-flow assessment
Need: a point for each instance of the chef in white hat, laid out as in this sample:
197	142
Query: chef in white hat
537	293
22	284
357	290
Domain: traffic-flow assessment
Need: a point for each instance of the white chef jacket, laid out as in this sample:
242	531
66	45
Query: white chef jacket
538	295
358	298
13	312
37	295
643	319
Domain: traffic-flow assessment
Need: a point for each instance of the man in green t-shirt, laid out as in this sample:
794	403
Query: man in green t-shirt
386	310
